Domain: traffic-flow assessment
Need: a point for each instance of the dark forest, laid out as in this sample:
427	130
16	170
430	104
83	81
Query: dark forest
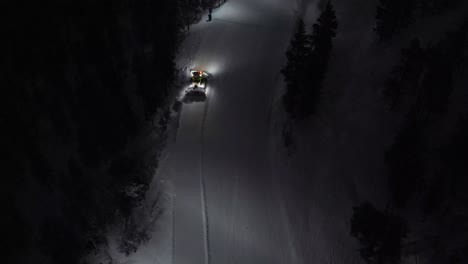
89	102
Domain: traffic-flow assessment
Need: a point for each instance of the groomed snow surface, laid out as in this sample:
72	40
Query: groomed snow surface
230	192
226	202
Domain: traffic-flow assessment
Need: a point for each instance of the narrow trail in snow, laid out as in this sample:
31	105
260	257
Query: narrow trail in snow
173	201
240	225
203	187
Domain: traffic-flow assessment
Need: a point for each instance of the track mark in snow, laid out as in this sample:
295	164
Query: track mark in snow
203	187
173	197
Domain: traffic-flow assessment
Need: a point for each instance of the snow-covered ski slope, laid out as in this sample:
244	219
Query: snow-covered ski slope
226	205
236	196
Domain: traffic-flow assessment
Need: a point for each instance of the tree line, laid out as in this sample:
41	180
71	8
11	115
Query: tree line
429	176
306	67
420	88
81	81
392	16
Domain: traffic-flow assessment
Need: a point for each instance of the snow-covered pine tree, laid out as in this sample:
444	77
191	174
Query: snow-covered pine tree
294	70
323	32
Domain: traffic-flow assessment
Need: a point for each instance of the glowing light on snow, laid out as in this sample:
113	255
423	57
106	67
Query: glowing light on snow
235	11
209	92
212	68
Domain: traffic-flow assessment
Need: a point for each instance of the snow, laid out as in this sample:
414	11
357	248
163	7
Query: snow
231	193
223	144
222	204
338	159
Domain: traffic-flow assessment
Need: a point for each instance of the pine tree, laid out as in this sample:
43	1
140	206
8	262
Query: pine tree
454	156
188	11
443	61
392	16
68	73
308	57
406	76
380	234
424	78
404	160
322	36
437	84
324	31
294	71
431	7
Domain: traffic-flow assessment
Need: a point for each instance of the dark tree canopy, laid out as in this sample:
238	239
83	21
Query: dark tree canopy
392	16
380	234
404	160
324	31
431	7
80	80
424	78
295	70
427	177
305	70
454	156
406	76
